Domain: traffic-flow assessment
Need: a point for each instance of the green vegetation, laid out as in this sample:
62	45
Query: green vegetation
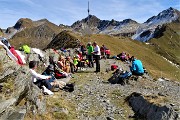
118	99
57	109
169	44
157	99
1	67
61	103
1	32
8	85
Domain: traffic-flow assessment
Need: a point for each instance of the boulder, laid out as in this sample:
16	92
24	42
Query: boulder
21	89
150	111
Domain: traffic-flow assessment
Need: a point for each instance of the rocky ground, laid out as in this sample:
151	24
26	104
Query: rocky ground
95	98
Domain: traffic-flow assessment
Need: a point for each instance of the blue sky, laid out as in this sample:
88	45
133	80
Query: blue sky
69	11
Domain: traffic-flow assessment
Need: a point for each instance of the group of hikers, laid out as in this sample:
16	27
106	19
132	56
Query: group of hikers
58	73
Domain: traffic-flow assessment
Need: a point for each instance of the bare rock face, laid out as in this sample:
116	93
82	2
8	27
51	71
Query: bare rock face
149	111
18	94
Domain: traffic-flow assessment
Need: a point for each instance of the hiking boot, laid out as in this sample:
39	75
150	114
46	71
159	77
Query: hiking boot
47	91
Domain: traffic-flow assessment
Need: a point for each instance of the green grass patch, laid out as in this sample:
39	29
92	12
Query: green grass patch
1	67
118	99
61	103
8	85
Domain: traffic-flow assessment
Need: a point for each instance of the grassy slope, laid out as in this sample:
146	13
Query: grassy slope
169	44
153	62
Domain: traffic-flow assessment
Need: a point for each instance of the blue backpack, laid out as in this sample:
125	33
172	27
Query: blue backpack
125	75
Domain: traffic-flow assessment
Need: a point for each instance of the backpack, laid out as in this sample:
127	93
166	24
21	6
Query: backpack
26	49
59	75
69	87
114	67
125	75
108	52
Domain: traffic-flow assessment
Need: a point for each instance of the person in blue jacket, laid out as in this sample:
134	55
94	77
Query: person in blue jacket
50	72
137	67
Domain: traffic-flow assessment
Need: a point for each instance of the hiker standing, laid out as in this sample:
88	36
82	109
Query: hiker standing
90	55
83	50
97	55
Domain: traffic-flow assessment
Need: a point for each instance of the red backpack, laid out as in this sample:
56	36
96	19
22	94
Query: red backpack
108	52
114	67
59	75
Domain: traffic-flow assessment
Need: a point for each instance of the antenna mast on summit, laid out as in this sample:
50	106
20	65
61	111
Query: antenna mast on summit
88	11
88	21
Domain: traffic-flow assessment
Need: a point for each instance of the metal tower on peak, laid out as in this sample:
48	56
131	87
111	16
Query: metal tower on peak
88	20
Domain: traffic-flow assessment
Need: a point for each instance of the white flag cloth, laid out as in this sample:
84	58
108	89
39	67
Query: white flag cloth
9	52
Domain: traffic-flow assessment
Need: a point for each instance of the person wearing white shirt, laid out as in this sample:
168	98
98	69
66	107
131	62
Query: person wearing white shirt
97	55
40	80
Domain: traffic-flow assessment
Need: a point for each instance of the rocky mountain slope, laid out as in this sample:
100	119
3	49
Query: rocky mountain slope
112	27
147	30
142	32
33	33
64	40
166	16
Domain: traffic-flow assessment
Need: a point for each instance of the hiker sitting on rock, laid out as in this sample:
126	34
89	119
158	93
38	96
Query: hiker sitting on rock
137	67
41	81
53	81
62	64
70	62
75	61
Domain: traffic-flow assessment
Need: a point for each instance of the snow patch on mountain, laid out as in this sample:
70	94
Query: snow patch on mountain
163	17
146	31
